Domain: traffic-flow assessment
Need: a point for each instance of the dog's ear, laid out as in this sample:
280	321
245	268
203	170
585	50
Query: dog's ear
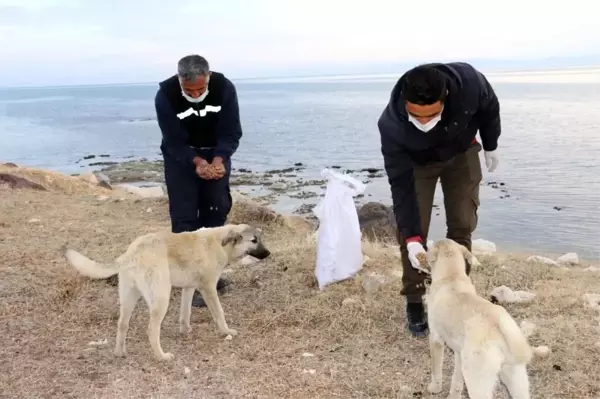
470	259
432	254
233	237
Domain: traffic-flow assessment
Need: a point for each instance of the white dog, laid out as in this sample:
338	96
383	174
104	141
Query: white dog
155	262
485	339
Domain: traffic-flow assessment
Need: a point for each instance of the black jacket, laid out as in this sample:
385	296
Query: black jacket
471	105
214	122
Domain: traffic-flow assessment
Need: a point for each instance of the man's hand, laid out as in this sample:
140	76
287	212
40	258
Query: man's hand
203	168
218	169
416	251
491	160
209	171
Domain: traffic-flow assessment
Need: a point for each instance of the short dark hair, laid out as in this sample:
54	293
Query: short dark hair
192	67
424	85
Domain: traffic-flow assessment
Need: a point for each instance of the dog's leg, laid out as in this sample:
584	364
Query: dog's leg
211	297
516	380
128	297
480	371
157	294
480	385
436	350
456	387
187	296
157	314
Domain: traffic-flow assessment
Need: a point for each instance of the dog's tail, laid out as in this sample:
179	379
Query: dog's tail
516	341
90	268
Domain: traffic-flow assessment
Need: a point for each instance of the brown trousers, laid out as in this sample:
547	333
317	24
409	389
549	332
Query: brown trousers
460	178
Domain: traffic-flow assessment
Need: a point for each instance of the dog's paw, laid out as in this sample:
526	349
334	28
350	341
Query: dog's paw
230	331
185	329
434	387
119	352
167	356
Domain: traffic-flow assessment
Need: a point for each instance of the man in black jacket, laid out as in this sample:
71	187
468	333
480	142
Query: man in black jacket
198	114
428	133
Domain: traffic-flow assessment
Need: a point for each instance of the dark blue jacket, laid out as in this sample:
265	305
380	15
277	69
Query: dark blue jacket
185	126
471	106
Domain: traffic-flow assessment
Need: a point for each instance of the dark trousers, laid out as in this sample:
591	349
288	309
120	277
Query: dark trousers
460	178
195	202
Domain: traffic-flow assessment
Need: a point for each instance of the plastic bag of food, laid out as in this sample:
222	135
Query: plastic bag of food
339	249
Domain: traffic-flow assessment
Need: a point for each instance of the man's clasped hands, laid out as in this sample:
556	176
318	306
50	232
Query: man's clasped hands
207	171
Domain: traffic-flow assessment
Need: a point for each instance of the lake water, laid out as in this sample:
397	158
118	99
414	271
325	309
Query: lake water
549	148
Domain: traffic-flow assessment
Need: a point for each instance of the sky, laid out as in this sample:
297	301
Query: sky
108	41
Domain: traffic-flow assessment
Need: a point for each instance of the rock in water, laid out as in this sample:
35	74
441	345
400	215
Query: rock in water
12	181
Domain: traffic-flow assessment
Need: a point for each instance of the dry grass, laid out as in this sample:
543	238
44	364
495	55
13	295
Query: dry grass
49	315
55	181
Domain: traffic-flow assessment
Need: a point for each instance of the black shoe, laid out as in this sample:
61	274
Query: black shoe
416	319
198	301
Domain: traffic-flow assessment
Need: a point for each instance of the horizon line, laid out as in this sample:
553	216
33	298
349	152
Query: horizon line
305	76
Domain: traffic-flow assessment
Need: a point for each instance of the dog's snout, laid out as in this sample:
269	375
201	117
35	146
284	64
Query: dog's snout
260	253
264	253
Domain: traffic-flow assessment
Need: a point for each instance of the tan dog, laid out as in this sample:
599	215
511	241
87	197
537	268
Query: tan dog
485	339
153	263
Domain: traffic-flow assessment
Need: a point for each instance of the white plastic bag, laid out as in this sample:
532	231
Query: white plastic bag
339	250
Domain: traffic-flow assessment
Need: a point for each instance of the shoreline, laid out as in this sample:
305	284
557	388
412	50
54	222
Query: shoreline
286	189
142	179
296	188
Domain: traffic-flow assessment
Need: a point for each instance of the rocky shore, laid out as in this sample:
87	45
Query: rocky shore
289	185
289	189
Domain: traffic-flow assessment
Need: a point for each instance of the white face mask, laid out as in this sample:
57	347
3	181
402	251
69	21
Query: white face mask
200	98
425	127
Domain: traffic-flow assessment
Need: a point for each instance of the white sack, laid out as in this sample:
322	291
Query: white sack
339	251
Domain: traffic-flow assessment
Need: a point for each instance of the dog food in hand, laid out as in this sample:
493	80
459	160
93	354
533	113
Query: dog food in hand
422	259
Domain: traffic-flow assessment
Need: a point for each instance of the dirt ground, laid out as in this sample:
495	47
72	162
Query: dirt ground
293	342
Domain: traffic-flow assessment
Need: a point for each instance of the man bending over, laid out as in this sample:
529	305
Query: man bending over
198	114
428	133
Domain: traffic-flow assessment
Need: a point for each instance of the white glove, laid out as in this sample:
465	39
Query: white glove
491	160
414	249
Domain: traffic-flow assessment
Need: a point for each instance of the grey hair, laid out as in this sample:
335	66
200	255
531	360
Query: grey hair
191	67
